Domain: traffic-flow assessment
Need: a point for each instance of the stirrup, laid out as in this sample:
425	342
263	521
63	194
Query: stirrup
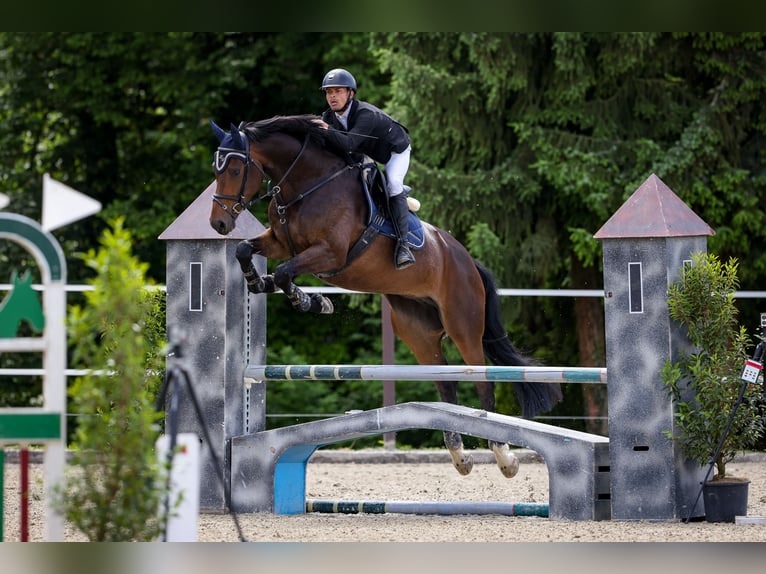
403	257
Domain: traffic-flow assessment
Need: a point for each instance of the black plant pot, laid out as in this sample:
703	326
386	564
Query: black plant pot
725	500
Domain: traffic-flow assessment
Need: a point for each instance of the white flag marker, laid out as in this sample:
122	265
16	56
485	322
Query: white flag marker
63	205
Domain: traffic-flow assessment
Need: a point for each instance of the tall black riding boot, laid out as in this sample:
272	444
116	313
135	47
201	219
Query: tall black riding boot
403	257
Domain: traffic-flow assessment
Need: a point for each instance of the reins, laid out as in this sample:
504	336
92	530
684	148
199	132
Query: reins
271	192
282	208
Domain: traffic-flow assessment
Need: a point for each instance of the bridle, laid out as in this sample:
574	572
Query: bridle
221	160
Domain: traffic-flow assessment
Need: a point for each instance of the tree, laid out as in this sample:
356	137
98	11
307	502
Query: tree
532	156
525	143
114	485
124	117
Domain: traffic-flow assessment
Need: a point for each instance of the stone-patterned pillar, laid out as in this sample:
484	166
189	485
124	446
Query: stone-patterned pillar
645	246
224	330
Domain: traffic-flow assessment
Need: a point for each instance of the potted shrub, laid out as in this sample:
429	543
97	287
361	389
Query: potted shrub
706	384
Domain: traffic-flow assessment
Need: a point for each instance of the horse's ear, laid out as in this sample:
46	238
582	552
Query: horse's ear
236	137
24	279
219	133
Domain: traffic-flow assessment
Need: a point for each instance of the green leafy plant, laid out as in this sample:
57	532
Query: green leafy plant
705	384
114	483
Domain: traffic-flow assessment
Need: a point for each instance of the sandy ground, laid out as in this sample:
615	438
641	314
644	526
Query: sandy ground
430	481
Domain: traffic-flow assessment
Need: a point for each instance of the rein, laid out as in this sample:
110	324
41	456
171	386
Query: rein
221	161
282	208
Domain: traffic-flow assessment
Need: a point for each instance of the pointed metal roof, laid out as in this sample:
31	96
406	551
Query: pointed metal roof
653	211
194	222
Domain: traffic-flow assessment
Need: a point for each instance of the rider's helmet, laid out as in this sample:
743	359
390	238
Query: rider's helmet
338	78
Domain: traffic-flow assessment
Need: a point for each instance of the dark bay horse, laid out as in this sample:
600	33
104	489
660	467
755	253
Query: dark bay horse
317	213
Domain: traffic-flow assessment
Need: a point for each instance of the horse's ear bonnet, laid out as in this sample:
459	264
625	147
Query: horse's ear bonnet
219	133
236	139
232	144
233	140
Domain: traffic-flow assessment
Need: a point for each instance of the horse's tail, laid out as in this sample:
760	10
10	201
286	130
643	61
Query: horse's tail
533	397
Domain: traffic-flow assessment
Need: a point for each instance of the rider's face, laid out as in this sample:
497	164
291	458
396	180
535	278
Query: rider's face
337	97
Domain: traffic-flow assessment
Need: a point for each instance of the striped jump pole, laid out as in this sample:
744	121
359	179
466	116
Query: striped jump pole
582	375
417	507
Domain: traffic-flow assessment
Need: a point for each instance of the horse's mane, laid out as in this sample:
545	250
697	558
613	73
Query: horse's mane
297	126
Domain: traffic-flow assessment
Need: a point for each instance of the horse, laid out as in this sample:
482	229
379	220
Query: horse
21	304
319	224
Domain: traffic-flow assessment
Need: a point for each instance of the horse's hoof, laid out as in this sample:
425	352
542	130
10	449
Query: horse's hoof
506	460
327	307
321	304
463	463
510	470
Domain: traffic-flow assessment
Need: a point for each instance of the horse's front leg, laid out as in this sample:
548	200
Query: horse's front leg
255	283
300	300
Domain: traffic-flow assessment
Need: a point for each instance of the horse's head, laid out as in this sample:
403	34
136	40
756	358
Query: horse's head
234	188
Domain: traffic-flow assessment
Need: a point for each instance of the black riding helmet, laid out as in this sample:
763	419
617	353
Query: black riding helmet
338	78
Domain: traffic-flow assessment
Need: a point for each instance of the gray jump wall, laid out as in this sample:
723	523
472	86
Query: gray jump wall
646	243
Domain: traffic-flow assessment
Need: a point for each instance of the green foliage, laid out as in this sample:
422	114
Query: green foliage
123	117
114	486
541	137
524	144
705	384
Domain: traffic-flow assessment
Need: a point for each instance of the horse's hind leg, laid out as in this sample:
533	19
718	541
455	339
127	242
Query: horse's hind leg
418	325
462	461
453	441
506	460
463	333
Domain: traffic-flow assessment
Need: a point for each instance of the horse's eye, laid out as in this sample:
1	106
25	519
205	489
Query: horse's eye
234	171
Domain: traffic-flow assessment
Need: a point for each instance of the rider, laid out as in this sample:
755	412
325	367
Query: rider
355	127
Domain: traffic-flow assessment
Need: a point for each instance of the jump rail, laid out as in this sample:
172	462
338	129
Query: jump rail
445	508
581	375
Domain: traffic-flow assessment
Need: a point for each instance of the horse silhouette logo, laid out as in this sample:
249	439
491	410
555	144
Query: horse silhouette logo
21	304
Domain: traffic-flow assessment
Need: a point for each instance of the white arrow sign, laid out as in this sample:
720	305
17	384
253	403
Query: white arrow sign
63	205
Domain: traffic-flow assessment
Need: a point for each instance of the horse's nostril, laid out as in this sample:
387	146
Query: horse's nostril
218	226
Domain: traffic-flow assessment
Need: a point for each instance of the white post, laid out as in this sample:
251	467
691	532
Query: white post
182	522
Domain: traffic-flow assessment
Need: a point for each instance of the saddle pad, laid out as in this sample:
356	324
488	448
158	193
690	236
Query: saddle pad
415	237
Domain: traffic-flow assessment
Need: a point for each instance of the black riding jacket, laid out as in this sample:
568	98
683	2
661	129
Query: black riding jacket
365	120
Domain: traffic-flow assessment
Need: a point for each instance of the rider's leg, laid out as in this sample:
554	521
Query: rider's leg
396	169
403	257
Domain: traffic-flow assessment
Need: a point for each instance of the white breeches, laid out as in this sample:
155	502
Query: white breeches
396	170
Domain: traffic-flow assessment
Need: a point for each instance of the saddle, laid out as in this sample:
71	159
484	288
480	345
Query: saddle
378	215
378	218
